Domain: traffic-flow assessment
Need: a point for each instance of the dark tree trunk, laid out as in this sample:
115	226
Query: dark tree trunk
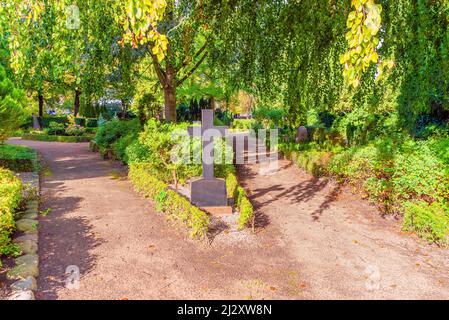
40	97
170	94
76	107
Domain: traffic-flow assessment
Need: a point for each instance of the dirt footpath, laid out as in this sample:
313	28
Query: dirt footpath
312	241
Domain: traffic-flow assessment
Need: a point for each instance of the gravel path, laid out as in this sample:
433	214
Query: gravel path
312	241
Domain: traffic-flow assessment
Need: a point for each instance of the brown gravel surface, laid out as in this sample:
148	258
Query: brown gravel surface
312	241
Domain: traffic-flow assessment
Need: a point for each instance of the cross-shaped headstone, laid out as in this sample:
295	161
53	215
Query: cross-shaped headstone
207	131
208	191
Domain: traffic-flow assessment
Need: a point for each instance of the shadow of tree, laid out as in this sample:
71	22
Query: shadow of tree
64	240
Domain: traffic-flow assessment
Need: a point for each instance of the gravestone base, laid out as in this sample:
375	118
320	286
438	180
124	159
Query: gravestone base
208	193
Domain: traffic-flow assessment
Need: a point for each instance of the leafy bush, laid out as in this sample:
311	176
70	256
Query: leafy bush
245	208
269	117
246	213
75	130
55	129
45	121
121	145
13	112
80	122
91	123
17	158
10	197
113	130
159	140
231	185
171	203
243	124
429	221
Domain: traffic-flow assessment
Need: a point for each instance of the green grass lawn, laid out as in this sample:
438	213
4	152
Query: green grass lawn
17	158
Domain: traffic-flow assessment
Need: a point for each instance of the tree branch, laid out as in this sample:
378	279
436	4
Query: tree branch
188	74
157	66
186	61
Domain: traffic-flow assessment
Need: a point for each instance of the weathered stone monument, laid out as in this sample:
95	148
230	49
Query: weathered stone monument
36	125
208	191
302	135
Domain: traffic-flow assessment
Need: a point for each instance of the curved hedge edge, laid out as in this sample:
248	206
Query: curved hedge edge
48	138
169	202
241	202
10	197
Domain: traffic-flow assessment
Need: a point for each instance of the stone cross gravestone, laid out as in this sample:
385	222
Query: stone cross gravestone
36	125
208	191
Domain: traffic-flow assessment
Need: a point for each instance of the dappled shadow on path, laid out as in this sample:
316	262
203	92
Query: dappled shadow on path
328	200
294	194
64	240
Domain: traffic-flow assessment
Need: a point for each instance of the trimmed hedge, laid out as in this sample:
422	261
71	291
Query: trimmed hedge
241	201
168	201
10	198
84	122
80	122
17	158
51	138
45	121
91	123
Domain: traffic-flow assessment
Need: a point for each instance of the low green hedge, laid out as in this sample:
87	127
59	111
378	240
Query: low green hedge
45	121
430	222
51	138
168	201
91	123
17	158
241	201
10	198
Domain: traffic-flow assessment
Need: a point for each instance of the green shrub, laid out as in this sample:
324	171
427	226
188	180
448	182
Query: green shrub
10	197
245	208
428	221
75	130
13	112
55	129
231	185
91	123
17	158
244	124
113	130
45	121
246	213
269	117
80	122
119	147
159	140
172	204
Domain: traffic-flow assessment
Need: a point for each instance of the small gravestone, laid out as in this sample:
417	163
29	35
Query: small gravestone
36	125
302	135
208	191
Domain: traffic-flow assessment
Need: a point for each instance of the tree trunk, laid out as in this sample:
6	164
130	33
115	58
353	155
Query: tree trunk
170	93
76	107
40	97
